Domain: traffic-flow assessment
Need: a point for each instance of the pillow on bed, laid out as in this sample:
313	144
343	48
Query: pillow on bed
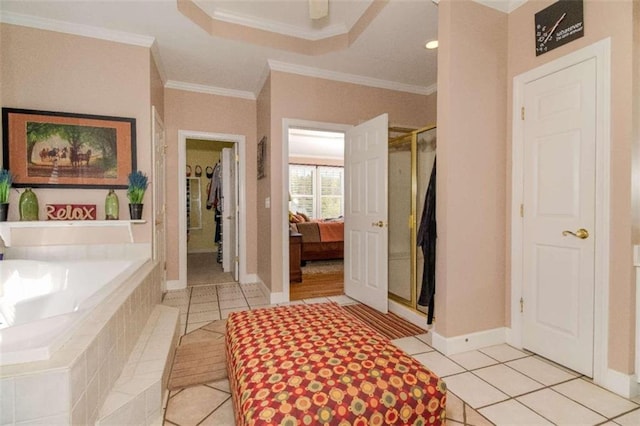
304	217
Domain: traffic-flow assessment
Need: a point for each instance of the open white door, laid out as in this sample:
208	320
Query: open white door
365	225
159	194
229	213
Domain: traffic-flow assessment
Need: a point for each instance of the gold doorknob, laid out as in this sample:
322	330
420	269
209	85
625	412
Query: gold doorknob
379	224
580	233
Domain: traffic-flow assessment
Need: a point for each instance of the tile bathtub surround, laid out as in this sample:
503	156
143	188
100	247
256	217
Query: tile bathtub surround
85	368
138	391
77	252
494	385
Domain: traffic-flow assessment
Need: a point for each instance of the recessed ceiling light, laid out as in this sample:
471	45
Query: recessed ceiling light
433	44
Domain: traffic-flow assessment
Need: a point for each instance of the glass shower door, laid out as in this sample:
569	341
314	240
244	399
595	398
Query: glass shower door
411	159
400	207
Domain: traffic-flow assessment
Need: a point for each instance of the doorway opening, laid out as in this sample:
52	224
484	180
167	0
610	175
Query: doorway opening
207	261
314	155
212	221
316	213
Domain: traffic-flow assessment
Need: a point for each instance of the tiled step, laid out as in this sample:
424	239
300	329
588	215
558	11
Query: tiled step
137	395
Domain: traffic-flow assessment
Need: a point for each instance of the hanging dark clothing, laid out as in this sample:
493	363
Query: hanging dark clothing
427	242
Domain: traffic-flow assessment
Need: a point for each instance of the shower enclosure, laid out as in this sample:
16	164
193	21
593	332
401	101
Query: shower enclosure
411	159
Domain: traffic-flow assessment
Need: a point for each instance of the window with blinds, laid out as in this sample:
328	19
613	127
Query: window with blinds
317	191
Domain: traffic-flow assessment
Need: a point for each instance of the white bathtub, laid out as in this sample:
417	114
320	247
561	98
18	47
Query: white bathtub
42	303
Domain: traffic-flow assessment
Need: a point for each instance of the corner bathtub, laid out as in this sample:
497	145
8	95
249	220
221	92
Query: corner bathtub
42	303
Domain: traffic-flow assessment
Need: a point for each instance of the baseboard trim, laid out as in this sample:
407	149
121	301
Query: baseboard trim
625	385
274	297
174	285
408	314
468	342
250	279
278	297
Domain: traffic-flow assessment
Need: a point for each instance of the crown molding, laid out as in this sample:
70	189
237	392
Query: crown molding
209	90
155	54
350	78
506	6
277	27
75	29
266	72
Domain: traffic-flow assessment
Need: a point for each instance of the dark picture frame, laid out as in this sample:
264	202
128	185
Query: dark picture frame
67	150
262	157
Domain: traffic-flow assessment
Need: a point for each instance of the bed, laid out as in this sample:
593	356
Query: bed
317	364
321	240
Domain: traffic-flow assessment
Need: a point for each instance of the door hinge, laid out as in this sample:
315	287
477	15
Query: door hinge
521	305
522	113
410	221
237	158
521	210
237	259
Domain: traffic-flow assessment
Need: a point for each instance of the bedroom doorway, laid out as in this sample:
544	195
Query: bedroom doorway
316	212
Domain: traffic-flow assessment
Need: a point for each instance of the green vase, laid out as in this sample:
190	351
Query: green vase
111	206
28	205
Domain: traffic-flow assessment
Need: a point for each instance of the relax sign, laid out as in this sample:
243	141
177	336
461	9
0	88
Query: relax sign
71	211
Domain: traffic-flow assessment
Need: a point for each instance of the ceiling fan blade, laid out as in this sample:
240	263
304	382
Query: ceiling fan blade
318	9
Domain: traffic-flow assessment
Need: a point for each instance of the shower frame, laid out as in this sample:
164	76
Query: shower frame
412	219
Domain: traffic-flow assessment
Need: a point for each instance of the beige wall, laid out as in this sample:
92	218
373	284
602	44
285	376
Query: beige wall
602	19
51	71
471	168
157	88
263	186
214	114
315	99
635	188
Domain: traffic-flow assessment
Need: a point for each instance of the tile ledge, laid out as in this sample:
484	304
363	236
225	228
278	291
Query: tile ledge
121	397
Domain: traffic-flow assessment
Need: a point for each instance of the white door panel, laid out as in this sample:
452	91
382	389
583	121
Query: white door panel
366	231
229	213
559	196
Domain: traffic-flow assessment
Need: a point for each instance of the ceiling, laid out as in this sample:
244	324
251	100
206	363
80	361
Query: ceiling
316	144
386	50
228	46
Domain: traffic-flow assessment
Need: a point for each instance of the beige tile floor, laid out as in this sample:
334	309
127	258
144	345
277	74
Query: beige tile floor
494	385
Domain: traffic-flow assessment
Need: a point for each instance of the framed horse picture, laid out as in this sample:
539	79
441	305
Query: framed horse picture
67	150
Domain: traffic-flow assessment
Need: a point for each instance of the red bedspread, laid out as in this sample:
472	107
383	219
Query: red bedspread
331	231
317	364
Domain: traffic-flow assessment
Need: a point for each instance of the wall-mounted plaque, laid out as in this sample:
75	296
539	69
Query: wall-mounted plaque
558	24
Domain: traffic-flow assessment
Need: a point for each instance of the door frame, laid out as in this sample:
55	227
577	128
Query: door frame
240	142
601	51
156	119
288	123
